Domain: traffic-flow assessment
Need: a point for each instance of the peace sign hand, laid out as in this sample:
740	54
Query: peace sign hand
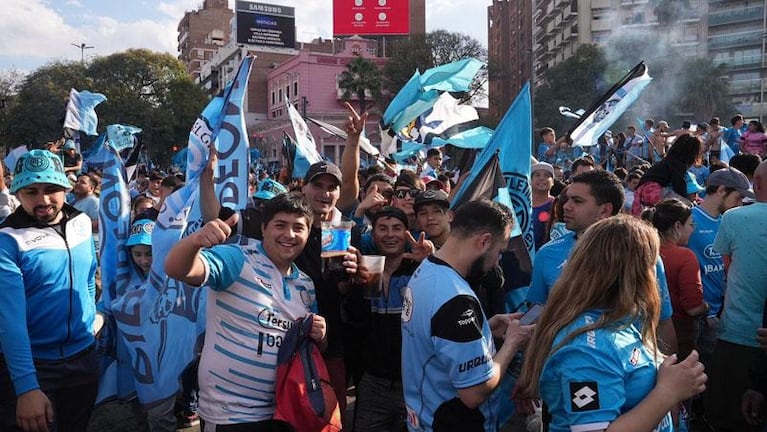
355	124
418	249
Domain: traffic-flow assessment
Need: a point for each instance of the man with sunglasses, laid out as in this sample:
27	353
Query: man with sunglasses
406	188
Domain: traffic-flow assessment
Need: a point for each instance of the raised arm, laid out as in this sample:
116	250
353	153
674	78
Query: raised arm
350	159
184	263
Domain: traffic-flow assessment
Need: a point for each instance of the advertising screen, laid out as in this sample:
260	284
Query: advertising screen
265	24
371	17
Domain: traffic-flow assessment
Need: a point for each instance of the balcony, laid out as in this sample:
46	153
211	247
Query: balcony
743	63
735	40
746	86
735	16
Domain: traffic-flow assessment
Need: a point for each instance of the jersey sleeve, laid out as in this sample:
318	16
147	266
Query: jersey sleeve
223	265
665	300
460	343
539	289
592	386
723	241
14	337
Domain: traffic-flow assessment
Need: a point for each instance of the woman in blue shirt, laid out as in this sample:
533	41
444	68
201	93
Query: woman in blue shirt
593	358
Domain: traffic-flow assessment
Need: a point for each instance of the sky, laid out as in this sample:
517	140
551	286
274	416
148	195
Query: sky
36	32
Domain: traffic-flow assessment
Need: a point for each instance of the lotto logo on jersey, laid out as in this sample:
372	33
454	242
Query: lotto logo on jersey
584	396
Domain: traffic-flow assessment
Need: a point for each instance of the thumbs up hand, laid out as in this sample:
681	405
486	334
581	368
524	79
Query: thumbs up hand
216	231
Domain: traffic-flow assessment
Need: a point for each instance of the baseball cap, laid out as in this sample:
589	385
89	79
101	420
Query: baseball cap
542	166
39	166
322	167
731	178
268	189
69	145
141	233
692	184
431	197
429	179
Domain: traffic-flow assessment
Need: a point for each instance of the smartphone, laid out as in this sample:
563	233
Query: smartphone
531	316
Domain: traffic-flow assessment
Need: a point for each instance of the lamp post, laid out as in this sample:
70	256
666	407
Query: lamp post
82	48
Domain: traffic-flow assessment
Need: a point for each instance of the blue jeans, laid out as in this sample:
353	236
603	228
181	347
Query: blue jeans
71	386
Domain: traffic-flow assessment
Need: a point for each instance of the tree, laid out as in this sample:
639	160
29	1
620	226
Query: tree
361	76
10	82
421	52
702	90
143	88
576	83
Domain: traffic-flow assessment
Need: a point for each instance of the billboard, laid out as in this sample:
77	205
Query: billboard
371	17
265	24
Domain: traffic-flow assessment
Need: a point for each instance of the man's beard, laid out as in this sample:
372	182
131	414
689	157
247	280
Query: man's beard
477	270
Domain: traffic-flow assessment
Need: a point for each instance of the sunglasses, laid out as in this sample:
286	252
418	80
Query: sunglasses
401	193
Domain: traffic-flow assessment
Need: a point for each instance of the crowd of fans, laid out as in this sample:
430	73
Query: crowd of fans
650	264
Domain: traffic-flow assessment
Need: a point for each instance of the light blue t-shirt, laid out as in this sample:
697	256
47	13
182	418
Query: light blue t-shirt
551	259
446	345
596	377
743	236
711	264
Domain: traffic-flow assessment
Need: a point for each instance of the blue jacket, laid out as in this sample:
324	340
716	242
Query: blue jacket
47	290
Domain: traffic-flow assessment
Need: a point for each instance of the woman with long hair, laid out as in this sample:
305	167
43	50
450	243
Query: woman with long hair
673	220
593	358
667	177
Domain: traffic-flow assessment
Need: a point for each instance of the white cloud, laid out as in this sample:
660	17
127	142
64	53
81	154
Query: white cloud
75	3
30	28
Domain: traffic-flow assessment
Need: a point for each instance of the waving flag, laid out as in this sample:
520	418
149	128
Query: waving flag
13	156
443	120
595	121
421	93
81	111
333	130
122	136
304	141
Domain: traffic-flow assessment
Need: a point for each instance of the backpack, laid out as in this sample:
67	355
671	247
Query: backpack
303	394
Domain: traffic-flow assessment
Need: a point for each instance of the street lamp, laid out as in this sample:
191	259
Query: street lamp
82	48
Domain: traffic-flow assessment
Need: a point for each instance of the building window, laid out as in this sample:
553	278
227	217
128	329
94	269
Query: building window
280	96
287	91
273	99
295	88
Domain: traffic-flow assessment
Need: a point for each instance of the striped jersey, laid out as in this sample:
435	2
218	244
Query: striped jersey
250	308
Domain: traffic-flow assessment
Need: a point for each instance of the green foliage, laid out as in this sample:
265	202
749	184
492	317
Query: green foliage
421	52
702	90
143	88
576	83
361	76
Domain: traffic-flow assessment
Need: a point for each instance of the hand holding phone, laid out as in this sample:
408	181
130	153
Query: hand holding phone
532	315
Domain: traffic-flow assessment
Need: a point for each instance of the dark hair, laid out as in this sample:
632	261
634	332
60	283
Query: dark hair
139	200
711	189
605	186
666	213
390	212
481	216
757	125
686	124
686	149
714	120
373	170
634	175
409	179
155	175
433	152
649	121
736	118
92	179
715	166
582	161
545	131
291	203
746	163
172	182
377	178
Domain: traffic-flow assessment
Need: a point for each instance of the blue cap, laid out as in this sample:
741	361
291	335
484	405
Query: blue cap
39	166
141	233
69	145
268	189
692	184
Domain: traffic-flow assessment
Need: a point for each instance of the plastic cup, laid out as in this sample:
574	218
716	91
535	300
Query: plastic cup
336	239
374	264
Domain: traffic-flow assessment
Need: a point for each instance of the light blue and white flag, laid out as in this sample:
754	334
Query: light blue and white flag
122	136
13	156
608	108
81	111
305	144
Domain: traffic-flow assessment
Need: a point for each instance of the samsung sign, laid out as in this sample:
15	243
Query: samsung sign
265	24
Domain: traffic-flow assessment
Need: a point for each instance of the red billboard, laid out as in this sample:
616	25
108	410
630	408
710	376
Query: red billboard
371	17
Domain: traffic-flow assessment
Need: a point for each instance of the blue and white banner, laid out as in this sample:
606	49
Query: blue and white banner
122	136
608	108
305	144
13	156
81	111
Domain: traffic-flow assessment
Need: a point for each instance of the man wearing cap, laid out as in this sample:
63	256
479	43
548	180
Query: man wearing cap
73	161
742	241
432	210
725	189
48	367
542	180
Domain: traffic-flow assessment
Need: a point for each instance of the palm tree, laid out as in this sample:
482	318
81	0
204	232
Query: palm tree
361	76
704	89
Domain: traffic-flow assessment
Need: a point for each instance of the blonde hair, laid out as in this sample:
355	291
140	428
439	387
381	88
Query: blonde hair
612	268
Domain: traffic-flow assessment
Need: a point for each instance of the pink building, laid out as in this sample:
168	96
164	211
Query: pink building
310	81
